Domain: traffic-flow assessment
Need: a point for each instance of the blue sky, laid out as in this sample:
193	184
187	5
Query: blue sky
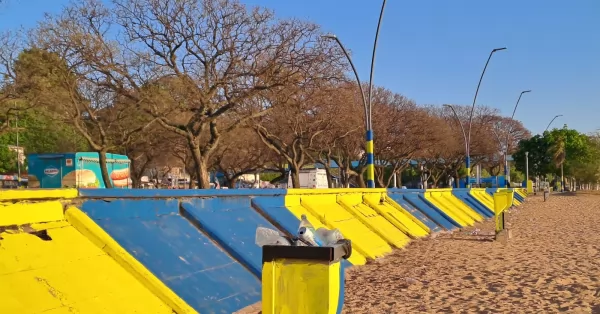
433	51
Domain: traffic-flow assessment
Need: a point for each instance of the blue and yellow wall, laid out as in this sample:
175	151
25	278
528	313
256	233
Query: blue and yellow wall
190	251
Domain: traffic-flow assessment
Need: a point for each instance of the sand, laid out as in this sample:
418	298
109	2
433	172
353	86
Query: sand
551	265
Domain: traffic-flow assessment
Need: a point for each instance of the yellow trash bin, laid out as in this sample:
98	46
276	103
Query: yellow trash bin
503	200
304	279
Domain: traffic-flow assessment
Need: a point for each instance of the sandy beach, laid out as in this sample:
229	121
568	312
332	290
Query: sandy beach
551	265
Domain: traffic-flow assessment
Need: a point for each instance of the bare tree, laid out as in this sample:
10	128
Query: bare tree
241	152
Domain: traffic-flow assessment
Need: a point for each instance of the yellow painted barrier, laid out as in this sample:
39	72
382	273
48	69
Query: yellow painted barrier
523	192
353	203
292	203
482	196
454	213
396	215
303	279
101	239
52	267
323	205
458	204
37	194
30	212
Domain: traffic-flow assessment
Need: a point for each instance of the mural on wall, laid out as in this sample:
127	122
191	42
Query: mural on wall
83	178
72	170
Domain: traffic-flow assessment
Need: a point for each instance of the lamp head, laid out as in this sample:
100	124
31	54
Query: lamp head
329	36
498	49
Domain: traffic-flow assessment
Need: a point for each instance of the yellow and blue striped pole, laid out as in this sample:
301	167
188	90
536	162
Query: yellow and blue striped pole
468	162
370	160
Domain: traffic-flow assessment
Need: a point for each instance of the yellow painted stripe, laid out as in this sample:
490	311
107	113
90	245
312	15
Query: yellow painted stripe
30	194
369	147
446	207
27	212
331	214
460	205
521	192
479	194
98	236
396	215
302	192
515	200
292	203
353	203
67	274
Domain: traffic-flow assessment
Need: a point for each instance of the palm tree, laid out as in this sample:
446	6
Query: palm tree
559	155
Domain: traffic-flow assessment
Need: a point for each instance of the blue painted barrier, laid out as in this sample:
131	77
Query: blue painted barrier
467	198
416	199
396	195
232	223
172	248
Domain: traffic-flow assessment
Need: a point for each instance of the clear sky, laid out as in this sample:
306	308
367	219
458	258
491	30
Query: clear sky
433	51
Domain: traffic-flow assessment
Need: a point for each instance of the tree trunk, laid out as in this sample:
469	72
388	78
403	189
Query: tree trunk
295	173
231	182
329	178
201	166
104	169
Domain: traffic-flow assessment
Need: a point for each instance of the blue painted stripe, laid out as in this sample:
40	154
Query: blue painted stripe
342	294
370	183
425	207
184	258
430	223
369	135
370	159
232	223
519	197
439	211
463	195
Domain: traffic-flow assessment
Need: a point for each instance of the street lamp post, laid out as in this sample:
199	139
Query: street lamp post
369	149
468	146
526	169
559	115
462	128
506	168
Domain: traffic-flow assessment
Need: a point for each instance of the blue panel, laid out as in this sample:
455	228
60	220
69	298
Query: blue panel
425	207
463	195
430	223
279	215
232	223
164	193
185	259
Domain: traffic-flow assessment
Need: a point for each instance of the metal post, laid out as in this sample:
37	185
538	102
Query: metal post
369	136
18	153
526	168
369	149
506	169
468	159
560	115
